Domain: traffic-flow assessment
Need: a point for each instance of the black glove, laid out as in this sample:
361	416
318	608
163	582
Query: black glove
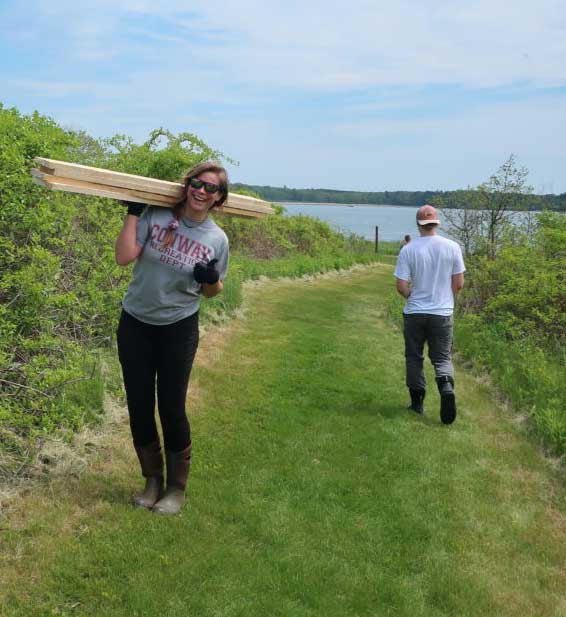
205	272
134	208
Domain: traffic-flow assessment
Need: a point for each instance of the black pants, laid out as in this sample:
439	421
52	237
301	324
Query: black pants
163	355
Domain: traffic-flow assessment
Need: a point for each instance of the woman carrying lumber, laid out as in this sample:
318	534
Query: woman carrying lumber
180	255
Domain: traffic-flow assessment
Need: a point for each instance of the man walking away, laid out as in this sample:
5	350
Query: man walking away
406	239
430	273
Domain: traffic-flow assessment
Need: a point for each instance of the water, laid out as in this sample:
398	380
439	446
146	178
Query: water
393	221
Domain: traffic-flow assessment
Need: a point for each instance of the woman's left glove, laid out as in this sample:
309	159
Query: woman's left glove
205	272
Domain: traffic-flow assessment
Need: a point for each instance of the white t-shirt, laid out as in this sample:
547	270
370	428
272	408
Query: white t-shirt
429	263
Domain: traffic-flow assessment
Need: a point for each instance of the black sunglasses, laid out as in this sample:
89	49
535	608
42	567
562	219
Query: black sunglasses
209	187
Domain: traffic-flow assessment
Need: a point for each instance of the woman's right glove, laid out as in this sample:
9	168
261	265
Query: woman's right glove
134	208
205	272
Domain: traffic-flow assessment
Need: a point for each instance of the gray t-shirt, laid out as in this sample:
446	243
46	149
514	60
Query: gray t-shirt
163	289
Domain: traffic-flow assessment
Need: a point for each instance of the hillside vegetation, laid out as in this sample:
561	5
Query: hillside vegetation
60	289
514	324
514	306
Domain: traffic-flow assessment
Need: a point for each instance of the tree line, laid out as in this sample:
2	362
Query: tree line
451	199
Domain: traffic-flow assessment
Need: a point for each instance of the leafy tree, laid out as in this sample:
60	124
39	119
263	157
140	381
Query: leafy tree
498	200
523	291
484	215
163	155
464	218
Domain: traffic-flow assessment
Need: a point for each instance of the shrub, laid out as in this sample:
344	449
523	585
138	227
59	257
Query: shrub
513	323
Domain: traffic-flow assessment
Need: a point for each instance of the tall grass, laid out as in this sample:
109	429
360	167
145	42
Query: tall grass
531	378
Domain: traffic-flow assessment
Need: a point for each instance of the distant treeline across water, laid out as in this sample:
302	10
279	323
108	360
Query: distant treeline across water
394	198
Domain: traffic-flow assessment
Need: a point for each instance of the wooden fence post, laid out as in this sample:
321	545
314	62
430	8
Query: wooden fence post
376	239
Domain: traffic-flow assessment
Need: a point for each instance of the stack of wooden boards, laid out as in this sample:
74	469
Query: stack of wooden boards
73	178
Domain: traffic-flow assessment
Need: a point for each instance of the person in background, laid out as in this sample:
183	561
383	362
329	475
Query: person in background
430	274
406	239
180	255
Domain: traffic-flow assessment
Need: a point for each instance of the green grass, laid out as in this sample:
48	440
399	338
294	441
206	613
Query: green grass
243	268
529	375
313	492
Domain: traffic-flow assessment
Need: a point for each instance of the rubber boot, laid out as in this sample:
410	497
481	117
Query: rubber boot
417	398
151	462
178	465
447	399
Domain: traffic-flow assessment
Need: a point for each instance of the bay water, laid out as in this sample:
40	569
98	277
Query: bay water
361	219
394	222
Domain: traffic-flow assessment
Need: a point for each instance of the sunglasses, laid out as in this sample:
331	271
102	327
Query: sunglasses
209	187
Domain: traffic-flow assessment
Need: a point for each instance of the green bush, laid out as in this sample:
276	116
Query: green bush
58	289
524	289
279	236
512	323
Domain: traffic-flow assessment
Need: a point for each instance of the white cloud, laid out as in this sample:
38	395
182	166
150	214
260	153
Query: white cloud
364	44
299	90
313	45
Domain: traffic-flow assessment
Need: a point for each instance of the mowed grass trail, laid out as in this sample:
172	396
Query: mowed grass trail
313	491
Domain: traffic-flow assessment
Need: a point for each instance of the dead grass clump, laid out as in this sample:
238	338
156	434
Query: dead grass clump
58	457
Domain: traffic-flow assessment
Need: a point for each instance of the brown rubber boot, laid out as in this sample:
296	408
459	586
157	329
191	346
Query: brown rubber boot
151	462
178	465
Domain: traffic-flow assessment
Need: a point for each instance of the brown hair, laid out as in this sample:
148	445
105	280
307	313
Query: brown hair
428	226
194	172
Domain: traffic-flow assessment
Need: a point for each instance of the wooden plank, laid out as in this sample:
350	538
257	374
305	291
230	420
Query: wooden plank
74	178
238	212
234	207
100	190
107	177
244	202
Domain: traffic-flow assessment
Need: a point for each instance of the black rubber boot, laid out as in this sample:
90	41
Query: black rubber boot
447	399
151	462
417	398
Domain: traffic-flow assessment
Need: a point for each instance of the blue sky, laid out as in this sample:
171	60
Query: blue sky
362	95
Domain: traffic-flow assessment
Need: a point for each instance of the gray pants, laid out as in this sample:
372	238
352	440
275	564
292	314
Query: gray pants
437	331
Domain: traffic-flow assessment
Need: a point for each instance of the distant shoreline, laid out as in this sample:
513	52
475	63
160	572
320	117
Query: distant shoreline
325	203
402	199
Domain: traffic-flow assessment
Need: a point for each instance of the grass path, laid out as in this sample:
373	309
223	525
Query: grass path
313	491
